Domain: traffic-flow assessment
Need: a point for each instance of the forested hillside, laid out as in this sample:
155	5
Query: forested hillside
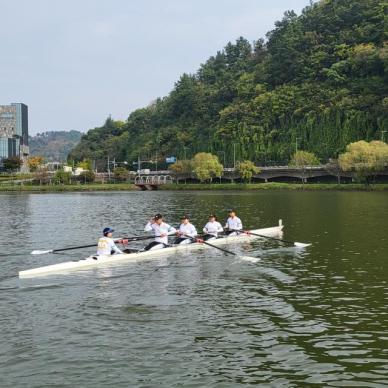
54	146
317	82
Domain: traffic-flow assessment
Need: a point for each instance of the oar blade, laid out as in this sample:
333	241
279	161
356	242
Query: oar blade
301	245
38	252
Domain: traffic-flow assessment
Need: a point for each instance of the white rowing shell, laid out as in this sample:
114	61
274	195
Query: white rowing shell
94	261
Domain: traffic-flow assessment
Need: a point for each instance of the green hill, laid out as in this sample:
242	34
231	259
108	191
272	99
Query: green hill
54	146
318	82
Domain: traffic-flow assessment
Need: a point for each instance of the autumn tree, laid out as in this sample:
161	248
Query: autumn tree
34	162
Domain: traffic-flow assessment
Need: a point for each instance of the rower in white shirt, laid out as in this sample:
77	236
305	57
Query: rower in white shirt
161	231
212	228
106	244
233	224
186	232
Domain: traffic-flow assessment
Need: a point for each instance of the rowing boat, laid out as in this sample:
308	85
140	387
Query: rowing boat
94	261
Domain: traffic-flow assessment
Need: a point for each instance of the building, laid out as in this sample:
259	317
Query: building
14	131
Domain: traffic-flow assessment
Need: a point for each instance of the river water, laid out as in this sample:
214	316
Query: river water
316	317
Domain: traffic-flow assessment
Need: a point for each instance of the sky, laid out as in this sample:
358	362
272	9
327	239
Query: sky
75	62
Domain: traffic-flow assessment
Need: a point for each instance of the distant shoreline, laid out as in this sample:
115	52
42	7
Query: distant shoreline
280	186
194	187
66	188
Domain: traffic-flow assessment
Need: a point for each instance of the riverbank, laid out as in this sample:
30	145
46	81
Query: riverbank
279	186
68	188
195	187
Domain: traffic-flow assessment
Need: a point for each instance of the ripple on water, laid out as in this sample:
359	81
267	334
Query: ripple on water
294	318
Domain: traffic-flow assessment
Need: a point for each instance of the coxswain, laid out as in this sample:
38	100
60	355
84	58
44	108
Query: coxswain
186	231
106	244
161	231
212	228
233	224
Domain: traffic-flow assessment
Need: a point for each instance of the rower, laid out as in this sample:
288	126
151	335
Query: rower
106	244
212	228
161	231
186	232
233	224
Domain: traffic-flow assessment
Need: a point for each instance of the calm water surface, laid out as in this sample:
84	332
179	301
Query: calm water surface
317	317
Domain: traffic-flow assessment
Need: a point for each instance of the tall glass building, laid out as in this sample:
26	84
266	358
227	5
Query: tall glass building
14	131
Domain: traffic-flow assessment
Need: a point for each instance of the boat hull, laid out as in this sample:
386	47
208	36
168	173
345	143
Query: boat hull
94	261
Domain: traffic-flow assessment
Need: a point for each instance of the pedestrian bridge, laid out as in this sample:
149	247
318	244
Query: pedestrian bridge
152	182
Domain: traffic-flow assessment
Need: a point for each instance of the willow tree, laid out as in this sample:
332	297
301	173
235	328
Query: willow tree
246	169
364	159
303	159
182	169
206	166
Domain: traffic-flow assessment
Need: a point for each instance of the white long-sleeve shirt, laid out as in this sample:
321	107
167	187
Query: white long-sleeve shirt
187	230
106	246
233	223
158	230
213	228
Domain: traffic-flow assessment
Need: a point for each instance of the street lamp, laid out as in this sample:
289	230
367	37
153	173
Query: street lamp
139	162
114	165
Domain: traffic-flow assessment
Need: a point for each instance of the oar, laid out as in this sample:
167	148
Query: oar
41	252
297	244
249	258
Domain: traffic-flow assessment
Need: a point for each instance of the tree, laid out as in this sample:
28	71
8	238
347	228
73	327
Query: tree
86	164
246	169
304	159
12	163
364	159
121	173
34	162
63	177
87	176
42	175
321	75
206	166
182	169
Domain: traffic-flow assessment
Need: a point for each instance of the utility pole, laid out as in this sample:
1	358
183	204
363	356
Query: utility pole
108	169
234	155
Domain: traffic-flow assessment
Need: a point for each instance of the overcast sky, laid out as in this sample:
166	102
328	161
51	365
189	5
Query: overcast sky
75	62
